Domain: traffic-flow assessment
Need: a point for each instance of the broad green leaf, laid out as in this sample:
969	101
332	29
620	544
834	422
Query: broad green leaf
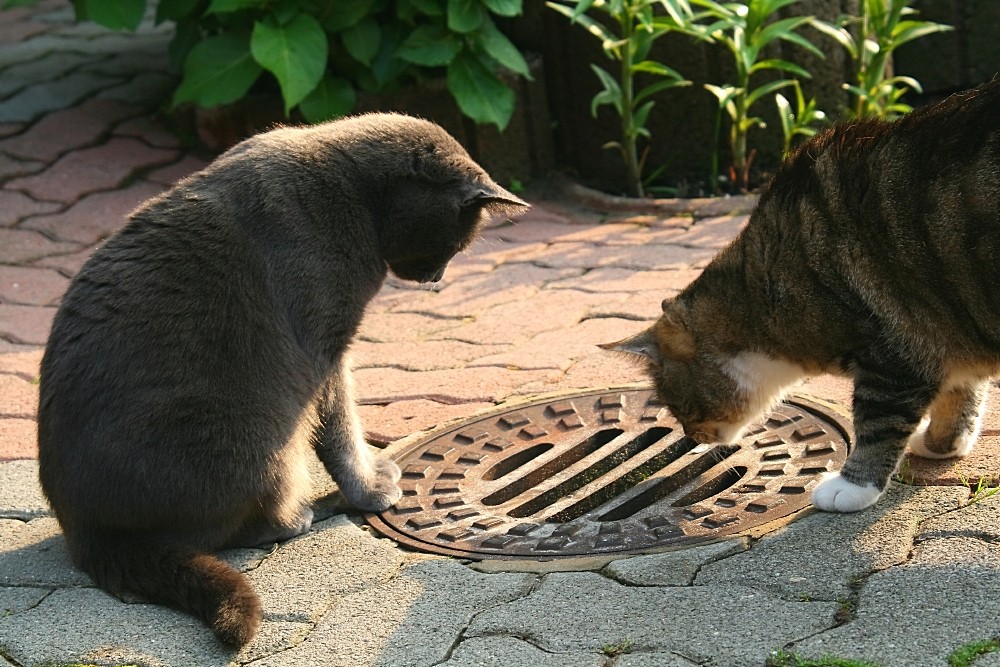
174	10
496	44
225	6
480	94
602	98
187	34
430	45
343	14
218	70
117	15
429	7
333	97
295	53
504	7
387	67
796	38
363	40
464	15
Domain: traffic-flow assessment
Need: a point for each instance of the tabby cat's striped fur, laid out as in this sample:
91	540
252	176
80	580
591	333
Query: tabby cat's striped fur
874	252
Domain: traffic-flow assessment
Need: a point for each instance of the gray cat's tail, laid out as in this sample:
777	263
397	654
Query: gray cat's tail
175	576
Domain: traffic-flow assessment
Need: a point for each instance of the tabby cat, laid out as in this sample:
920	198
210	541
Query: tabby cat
201	353
874	252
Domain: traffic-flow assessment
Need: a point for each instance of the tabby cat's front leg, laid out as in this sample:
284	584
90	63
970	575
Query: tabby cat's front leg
367	481
889	402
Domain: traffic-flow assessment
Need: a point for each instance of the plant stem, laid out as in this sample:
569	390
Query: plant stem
627	114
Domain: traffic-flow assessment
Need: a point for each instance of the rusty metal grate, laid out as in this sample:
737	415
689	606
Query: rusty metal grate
603	472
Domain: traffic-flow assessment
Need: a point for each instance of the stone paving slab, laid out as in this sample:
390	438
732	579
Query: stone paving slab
20	493
585	611
822	556
918	614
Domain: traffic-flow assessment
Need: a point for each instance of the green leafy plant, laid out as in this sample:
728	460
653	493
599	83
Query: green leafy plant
620	648
964	656
880	29
322	52
629	47
801	121
746	29
981	490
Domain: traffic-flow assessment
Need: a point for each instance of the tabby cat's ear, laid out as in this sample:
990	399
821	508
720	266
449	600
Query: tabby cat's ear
642	346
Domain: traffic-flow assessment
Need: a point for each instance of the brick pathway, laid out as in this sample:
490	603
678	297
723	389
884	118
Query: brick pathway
521	312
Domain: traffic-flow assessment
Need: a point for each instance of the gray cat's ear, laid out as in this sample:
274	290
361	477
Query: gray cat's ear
643	346
493	198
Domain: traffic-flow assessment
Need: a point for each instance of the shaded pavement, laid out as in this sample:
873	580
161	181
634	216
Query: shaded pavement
520	313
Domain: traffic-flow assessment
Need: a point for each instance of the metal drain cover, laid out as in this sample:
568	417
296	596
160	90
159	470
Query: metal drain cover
603	472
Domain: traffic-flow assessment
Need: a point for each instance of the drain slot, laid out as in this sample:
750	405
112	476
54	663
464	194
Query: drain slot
713	487
544	472
669	484
599	469
515	461
625	482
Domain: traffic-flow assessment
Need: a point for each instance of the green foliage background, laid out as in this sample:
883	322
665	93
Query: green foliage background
322	52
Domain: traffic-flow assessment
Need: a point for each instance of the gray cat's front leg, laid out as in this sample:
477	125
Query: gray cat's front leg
366	480
889	402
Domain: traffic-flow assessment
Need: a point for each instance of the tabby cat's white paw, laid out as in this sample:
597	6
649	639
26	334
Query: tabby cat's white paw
962	445
836	494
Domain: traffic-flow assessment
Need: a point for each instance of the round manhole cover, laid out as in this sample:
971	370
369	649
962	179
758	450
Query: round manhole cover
603	472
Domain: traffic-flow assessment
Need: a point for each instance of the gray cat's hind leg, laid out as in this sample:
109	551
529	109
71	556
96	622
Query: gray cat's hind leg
953	422
261	531
367	481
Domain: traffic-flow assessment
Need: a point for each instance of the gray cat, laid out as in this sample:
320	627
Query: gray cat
201	353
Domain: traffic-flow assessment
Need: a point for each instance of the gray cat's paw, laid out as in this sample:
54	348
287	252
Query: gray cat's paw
836	494
380	491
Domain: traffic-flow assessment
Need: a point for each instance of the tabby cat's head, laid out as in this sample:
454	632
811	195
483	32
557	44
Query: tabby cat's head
713	392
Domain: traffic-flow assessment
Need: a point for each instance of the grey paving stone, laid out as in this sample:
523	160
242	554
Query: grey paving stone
512	652
34	554
308	575
15	600
86	625
35	48
673	568
980	519
919	613
41	98
21	495
654	660
730	625
820	555
412	620
49	67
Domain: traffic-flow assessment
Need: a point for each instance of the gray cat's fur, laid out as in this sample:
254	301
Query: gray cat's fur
201	352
